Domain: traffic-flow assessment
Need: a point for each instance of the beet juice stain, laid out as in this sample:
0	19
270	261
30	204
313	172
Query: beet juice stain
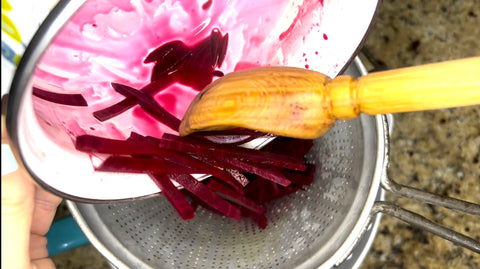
207	4
193	66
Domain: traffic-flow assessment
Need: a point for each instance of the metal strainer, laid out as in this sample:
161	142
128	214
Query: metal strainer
318	227
305	229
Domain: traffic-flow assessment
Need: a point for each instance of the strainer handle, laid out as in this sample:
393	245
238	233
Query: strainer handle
420	221
430	198
428	225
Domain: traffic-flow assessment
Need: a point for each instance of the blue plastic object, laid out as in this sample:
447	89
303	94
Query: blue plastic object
64	235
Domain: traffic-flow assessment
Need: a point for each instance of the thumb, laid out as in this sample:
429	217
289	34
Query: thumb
17	210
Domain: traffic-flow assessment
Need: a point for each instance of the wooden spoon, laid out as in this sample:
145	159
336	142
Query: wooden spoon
302	103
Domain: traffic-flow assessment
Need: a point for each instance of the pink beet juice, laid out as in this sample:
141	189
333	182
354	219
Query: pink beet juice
109	42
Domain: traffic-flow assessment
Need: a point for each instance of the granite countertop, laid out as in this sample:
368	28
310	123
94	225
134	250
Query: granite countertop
437	151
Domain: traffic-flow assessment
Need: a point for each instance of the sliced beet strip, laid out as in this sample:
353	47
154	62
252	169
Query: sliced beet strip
300	178
222	50
270	173
297	148
197	70
241	178
149	105
60	98
205	194
174	196
95	144
141	164
168	53
215	42
206	168
127	103
196	202
217	162
231	169
210	149
114	110
228	161
138	137
172	164
140	145
262	190
259	219
167	58
233	196
218	73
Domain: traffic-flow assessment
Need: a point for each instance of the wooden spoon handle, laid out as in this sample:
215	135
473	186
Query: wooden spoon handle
305	104
433	86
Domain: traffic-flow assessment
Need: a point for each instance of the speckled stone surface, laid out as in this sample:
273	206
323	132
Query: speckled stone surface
437	151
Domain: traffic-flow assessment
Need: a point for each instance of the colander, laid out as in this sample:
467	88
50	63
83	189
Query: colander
321	227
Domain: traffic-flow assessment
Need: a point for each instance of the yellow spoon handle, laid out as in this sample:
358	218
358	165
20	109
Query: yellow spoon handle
432	86
305	104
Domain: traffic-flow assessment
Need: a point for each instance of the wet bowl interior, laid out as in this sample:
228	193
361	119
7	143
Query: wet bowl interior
107	41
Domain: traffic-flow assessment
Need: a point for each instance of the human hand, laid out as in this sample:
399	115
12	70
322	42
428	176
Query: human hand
27	213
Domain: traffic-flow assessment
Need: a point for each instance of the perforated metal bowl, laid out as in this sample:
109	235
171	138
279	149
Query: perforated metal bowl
330	224
307	229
